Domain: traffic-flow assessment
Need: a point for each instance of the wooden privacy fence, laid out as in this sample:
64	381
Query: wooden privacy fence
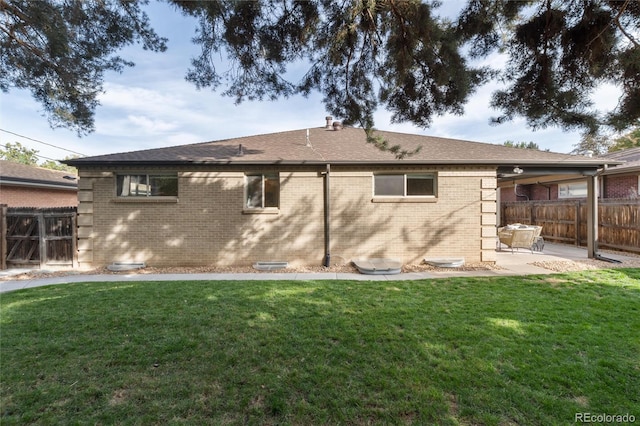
39	236
565	221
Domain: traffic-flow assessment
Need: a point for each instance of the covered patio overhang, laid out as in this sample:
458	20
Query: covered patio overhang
526	174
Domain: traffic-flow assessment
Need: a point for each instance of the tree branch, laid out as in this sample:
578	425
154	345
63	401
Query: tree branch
28	47
616	19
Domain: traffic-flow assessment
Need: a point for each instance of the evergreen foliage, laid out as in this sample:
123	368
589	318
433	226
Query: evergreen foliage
361	55
60	51
559	52
522	145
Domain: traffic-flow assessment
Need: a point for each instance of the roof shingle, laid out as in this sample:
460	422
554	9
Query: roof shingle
11	171
630	158
346	146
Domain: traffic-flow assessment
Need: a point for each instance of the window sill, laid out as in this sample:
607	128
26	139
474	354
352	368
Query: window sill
268	210
404	200
152	200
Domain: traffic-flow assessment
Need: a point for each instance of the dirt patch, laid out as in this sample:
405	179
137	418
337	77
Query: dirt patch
119	396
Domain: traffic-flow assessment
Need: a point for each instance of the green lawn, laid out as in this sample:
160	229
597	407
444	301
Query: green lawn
517	350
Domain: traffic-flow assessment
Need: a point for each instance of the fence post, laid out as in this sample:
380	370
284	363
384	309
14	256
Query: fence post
592	216
42	230
532	215
578	222
74	239
3	237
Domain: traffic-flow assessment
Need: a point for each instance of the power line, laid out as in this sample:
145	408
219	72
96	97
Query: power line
36	155
44	143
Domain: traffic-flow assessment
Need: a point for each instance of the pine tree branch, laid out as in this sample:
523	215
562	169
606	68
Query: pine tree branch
616	19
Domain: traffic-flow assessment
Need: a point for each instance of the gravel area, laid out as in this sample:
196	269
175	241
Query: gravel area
633	261
346	268
583	265
44	273
556	266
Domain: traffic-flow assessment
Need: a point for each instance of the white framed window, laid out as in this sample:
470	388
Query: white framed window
147	185
572	190
262	191
576	189
405	185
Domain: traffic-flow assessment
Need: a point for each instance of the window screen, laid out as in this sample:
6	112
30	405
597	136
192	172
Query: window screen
405	185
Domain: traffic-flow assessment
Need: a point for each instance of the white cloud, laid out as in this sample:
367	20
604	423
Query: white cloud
151	126
132	98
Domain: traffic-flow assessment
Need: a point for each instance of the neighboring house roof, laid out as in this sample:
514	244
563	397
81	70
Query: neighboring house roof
345	146
630	158
12	173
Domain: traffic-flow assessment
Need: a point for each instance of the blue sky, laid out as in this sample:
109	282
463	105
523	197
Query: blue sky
152	106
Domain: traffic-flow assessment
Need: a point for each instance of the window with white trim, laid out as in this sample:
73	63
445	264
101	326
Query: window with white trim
147	185
404	185
572	190
262	191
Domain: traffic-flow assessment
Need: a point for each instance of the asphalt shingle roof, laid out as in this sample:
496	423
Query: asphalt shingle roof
346	146
11	171
630	157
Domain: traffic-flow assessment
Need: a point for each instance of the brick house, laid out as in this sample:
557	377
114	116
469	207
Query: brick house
623	180
29	186
618	181
312	196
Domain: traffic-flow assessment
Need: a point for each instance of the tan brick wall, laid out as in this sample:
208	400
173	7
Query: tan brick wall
206	225
450	226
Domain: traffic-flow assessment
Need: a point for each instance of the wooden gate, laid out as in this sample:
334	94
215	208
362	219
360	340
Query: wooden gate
41	236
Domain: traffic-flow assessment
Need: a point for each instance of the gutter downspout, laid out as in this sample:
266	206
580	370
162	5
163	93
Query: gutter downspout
327	216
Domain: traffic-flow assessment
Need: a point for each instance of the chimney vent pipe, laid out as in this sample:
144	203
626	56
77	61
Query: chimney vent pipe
329	120
337	125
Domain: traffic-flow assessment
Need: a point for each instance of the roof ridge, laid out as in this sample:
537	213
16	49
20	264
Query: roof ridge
347	145
194	144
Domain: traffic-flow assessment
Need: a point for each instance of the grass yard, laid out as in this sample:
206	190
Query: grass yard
498	351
